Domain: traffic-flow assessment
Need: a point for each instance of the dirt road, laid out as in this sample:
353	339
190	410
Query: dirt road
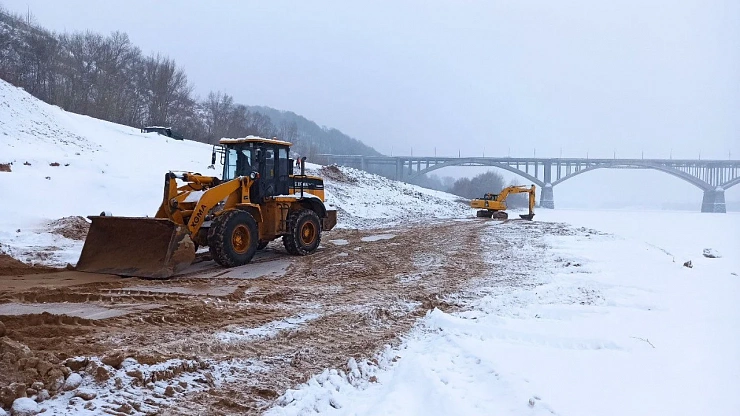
224	341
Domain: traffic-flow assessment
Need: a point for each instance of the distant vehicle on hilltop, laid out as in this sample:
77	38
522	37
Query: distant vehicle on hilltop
164	131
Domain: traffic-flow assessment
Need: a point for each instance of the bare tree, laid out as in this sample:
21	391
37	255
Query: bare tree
489	182
218	108
259	124
288	131
166	90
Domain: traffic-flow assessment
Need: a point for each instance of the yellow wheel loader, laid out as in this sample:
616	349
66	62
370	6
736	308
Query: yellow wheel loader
494	205
257	200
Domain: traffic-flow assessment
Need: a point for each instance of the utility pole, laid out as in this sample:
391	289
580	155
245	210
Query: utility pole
642	155
615	154
458	153
535	152
412	150
435	151
484	151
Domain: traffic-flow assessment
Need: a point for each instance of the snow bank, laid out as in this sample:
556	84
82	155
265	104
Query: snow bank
365	200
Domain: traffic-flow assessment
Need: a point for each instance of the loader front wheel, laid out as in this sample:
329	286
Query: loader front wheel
233	238
304	232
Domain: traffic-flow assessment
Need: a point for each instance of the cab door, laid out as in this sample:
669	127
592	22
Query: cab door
269	175
283	171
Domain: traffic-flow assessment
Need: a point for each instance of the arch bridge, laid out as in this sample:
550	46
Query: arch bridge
713	177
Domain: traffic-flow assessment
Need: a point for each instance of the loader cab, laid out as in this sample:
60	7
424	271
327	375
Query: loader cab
266	161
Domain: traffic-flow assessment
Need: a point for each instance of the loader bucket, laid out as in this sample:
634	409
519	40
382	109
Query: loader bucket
144	247
330	221
527	217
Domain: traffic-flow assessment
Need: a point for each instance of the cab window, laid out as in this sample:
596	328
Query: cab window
230	165
270	163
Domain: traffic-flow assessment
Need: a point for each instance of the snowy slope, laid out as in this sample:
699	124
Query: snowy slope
104	166
365	200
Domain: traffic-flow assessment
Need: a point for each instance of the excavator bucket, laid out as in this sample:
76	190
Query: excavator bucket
144	247
527	217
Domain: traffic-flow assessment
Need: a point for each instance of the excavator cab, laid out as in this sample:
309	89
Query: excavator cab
490	197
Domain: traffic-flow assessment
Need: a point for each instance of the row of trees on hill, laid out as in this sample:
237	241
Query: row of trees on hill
475	187
109	78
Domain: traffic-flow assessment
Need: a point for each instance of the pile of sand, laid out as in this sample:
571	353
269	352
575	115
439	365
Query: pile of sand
334	173
74	228
12	267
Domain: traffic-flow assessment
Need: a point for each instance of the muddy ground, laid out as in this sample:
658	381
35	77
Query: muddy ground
245	334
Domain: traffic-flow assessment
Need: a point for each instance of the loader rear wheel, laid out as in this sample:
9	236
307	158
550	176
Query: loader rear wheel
304	232
233	238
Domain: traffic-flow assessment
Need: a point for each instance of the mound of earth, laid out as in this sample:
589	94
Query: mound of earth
74	228
334	173
12	267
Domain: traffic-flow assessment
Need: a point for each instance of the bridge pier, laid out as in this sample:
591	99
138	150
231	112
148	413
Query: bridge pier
547	198
714	200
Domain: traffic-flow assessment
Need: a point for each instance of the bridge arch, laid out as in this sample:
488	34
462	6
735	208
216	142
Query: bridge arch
731	183
477	162
642	165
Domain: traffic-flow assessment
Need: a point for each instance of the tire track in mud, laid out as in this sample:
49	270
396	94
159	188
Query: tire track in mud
360	296
364	301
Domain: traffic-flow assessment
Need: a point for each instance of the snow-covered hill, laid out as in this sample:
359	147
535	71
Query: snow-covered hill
365	200
64	164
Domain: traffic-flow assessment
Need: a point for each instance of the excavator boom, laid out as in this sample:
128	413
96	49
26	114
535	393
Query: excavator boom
494	205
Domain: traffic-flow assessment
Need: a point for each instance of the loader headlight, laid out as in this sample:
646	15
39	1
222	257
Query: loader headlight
254	175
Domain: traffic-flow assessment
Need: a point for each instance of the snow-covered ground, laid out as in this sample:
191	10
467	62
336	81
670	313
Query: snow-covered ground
597	324
365	200
569	320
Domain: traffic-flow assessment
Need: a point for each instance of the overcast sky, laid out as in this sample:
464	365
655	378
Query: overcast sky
580	75
570	76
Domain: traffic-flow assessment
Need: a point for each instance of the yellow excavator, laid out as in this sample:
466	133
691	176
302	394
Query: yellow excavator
257	199
494	205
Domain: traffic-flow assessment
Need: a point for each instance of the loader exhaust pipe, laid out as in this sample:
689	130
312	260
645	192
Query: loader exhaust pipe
303	173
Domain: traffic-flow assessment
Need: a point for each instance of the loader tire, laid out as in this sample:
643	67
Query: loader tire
233	238
304	232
